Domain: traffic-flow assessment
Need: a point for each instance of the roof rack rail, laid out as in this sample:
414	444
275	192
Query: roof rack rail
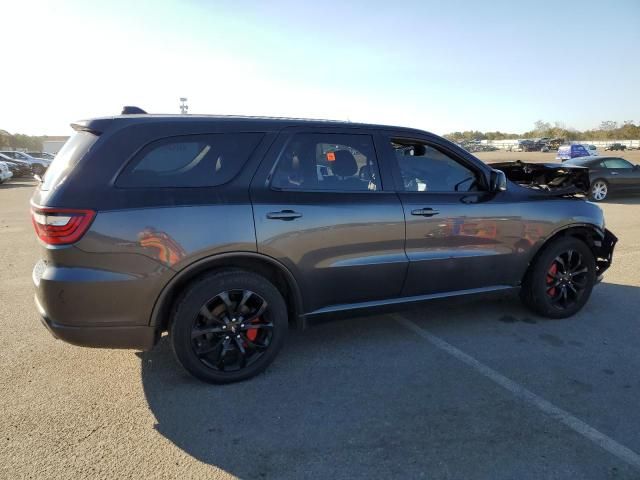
131	110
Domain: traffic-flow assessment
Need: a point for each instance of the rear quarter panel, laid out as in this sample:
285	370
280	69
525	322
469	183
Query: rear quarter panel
173	236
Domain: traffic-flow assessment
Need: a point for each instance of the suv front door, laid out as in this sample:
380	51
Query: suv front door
323	207
459	235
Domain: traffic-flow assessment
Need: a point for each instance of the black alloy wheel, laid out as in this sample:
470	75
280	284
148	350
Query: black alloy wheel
232	330
228	326
566	279
559	281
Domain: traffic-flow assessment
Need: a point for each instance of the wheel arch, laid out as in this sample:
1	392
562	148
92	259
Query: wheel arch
600	179
268	267
588	233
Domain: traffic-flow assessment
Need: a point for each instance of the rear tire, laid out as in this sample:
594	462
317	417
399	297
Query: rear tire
560	281
228	326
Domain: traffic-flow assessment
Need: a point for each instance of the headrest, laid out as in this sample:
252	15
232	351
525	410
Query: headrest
345	164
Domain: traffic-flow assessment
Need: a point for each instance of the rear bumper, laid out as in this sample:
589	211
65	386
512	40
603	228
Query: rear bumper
134	337
95	307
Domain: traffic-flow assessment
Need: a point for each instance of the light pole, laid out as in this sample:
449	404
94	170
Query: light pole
184	108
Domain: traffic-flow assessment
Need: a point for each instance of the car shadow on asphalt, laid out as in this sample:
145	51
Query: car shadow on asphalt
348	394
623	200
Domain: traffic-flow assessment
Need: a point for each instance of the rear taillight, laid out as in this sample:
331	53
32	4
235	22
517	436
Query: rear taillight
60	226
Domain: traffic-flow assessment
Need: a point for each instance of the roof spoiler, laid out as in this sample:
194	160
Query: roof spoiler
84	126
95	125
131	110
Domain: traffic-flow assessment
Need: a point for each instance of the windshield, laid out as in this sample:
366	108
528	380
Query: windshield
67	158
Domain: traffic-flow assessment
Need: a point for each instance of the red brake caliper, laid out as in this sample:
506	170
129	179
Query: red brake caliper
252	333
550	279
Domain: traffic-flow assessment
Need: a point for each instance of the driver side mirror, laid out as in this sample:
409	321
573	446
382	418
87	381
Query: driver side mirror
497	181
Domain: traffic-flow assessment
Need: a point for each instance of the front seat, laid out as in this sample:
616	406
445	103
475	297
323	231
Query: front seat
345	167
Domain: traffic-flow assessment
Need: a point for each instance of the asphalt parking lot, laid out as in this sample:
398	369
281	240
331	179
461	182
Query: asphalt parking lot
477	388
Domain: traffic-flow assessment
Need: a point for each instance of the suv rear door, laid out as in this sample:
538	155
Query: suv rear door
341	234
459	236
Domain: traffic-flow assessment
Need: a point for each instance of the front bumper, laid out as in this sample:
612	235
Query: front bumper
604	251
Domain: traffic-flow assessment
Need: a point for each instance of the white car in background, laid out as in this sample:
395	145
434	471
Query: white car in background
5	173
592	149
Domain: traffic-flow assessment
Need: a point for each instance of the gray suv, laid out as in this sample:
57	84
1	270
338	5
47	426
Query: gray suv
226	231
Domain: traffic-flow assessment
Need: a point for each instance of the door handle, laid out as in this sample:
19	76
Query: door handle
425	212
286	215
615	173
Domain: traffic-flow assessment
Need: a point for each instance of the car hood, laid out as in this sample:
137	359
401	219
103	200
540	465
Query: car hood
553	178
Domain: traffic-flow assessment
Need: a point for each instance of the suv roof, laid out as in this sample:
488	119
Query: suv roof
99	124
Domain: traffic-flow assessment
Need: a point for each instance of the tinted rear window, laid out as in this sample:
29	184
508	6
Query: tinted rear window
67	158
190	161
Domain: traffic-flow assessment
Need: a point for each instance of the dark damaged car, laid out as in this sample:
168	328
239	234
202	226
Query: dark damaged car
225	232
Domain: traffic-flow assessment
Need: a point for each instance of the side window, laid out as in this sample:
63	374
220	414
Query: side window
316	161
190	161
617	163
426	169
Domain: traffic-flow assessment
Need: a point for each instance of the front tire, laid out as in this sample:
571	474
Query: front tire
228	326
560	281
599	190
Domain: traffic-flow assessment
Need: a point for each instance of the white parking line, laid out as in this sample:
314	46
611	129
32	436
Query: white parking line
610	445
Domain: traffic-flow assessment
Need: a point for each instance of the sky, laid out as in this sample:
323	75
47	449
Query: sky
439	66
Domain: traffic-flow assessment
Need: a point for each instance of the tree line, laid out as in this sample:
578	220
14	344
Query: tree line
19	141
608	130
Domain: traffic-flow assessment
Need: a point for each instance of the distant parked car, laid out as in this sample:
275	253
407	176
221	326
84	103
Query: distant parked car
567	152
592	149
5	173
38	165
42	155
525	146
542	146
615	146
515	148
609	175
19	168
555	143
